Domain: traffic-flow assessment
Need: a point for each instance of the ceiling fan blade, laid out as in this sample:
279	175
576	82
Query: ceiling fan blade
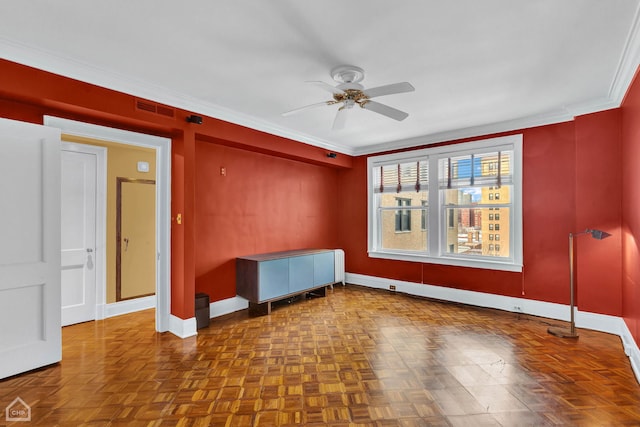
307	107
341	119
327	87
389	89
385	110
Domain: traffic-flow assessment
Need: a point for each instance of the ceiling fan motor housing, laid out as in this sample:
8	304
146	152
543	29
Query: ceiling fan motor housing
348	74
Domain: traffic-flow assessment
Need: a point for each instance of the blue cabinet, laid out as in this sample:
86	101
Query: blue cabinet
274	277
301	271
264	278
324	268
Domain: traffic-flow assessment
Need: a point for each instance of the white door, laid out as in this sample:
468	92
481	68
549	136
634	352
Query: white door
30	331
78	256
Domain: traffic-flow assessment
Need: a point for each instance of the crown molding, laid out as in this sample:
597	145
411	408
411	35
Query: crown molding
565	114
628	64
470	132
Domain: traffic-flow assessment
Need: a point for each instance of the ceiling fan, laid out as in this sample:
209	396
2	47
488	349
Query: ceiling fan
349	92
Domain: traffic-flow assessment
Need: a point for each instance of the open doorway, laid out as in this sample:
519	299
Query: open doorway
162	149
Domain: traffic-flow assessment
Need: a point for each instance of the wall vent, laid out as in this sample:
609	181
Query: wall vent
155	108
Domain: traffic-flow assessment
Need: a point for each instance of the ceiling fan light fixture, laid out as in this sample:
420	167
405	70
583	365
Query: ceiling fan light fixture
350	92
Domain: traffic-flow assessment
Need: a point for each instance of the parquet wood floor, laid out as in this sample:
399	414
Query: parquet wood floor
359	357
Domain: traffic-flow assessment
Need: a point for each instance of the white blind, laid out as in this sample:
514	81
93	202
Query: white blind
400	177
476	170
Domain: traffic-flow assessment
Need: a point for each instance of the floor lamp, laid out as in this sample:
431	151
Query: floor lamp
571	333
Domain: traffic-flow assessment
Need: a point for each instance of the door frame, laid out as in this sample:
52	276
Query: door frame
100	252
163	199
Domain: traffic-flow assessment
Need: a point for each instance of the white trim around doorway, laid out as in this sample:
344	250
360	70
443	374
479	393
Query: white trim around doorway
163	200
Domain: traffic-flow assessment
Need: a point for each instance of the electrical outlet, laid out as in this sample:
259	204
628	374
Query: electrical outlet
517	308
392	287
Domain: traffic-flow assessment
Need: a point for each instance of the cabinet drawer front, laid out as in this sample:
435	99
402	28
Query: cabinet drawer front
301	270
323	268
274	279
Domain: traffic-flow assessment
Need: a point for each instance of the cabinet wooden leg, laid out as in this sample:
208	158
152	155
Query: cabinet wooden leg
259	309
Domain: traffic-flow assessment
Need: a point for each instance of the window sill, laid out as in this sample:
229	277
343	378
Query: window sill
457	262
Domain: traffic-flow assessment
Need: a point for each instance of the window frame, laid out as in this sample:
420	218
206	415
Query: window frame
436	252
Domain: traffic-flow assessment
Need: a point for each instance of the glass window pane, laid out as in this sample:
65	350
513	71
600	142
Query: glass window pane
390	200
471	234
478	195
414	239
481	169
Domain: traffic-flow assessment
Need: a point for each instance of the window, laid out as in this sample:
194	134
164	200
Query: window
451	191
403	216
423	216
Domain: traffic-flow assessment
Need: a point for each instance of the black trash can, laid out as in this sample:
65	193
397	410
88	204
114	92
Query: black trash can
202	310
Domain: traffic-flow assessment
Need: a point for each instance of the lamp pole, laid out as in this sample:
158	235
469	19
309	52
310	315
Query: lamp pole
571	333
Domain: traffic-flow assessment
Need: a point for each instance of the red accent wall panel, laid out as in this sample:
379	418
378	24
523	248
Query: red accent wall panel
178	303
548	210
598	195
630	229
248	202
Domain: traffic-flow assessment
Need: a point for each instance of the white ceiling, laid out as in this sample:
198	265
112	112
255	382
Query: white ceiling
477	66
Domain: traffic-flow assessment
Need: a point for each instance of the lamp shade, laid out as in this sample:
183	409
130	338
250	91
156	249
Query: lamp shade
599	234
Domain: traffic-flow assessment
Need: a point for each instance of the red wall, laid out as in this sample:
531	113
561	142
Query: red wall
261	204
555	188
630	228
598	195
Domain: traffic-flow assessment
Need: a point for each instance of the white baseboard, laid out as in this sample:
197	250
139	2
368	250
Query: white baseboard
586	320
125	307
227	306
182	328
185	328
631	349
